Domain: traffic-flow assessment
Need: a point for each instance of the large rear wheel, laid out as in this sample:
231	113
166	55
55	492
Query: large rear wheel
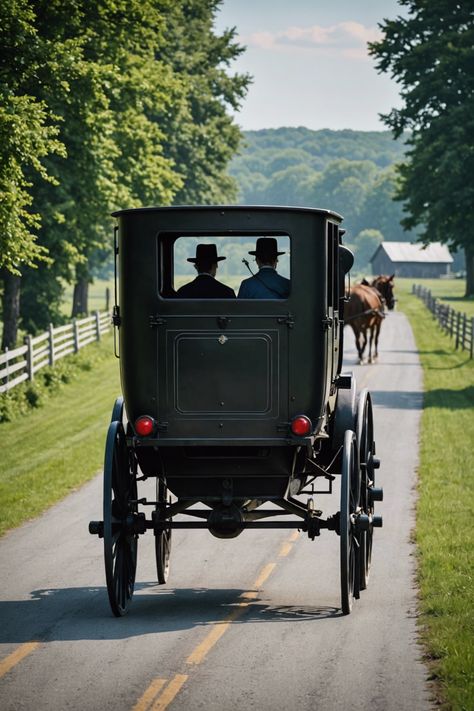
366	447
120	508
349	555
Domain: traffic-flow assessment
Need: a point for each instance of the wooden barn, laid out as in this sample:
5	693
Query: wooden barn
412	260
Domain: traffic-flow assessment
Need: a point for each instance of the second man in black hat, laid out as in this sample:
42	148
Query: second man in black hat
267	283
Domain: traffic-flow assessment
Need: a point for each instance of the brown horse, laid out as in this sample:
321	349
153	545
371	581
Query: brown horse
385	284
364	313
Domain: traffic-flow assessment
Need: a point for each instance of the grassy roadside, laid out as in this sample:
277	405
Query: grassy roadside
55	448
445	511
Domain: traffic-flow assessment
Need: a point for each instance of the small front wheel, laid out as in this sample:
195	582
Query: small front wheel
163	537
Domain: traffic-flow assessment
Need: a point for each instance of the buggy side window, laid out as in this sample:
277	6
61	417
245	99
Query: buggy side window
207	266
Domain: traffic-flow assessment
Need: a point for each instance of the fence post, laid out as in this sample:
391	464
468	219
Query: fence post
97	325
29	358
76	335
51	344
7	367
471	350
464	325
458	327
107	299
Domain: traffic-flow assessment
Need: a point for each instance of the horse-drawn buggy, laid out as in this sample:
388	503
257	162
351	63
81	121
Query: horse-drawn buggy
236	407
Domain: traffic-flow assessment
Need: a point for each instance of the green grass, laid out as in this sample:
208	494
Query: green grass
445	511
55	448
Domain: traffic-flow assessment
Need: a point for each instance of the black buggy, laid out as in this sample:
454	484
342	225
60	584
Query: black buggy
230	404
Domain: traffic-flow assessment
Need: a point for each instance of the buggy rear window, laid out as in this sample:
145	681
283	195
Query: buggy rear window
216	266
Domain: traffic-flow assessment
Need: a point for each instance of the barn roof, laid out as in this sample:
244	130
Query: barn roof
434	253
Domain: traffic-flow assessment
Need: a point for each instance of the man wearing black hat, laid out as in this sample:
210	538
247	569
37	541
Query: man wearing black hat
205	286
267	283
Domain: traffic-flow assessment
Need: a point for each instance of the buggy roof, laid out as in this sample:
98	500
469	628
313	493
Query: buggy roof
237	208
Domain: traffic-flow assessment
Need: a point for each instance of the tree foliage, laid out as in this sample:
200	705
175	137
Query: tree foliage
28	131
351	172
430	54
110	104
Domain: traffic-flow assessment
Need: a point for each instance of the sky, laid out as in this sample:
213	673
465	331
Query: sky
309	62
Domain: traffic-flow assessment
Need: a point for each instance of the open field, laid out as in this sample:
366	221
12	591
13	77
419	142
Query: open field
449	291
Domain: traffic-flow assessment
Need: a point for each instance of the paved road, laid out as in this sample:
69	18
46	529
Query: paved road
252	622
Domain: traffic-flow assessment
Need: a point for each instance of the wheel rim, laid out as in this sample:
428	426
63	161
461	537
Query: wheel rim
365	443
349	506
120	544
162	538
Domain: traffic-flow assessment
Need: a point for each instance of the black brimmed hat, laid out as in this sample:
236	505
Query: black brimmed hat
266	248
206	253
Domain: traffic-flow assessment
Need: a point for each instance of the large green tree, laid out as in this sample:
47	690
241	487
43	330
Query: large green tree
138	92
430	53
28	135
201	136
115	148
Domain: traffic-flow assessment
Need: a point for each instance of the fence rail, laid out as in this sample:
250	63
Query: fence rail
22	363
458	325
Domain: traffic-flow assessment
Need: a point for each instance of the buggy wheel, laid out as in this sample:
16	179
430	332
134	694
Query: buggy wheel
366	447
120	505
162	538
349	557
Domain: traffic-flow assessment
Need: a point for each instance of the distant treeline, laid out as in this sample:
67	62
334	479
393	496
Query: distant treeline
351	172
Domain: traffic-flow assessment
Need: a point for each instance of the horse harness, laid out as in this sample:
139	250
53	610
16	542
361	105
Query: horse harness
371	312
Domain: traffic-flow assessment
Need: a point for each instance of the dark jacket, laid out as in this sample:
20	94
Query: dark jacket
205	286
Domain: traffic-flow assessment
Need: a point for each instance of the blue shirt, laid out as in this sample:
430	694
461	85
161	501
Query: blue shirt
266	284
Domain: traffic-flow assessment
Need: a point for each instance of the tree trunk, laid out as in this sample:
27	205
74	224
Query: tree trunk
80	298
11	308
469	252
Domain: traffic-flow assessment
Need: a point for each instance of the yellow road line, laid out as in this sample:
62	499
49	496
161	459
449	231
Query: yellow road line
217	630
294	536
167	696
148	697
266	572
198	654
16	656
285	549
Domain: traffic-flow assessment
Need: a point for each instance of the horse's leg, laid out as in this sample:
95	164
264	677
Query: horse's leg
357	338
377	332
371	340
364	343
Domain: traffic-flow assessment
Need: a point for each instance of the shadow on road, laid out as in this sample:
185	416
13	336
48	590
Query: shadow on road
396	400
67	614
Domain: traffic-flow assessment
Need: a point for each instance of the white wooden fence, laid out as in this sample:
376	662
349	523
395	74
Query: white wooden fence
22	363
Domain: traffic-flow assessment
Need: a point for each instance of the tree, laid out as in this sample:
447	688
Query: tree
366	242
201	136
430	54
115	148
381	211
28	135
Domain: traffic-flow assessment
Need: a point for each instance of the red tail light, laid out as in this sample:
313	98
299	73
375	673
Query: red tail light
144	426
301	426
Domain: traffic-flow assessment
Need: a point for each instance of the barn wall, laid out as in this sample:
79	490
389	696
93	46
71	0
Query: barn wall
381	264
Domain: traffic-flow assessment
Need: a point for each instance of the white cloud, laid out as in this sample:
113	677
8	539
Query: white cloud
346	38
